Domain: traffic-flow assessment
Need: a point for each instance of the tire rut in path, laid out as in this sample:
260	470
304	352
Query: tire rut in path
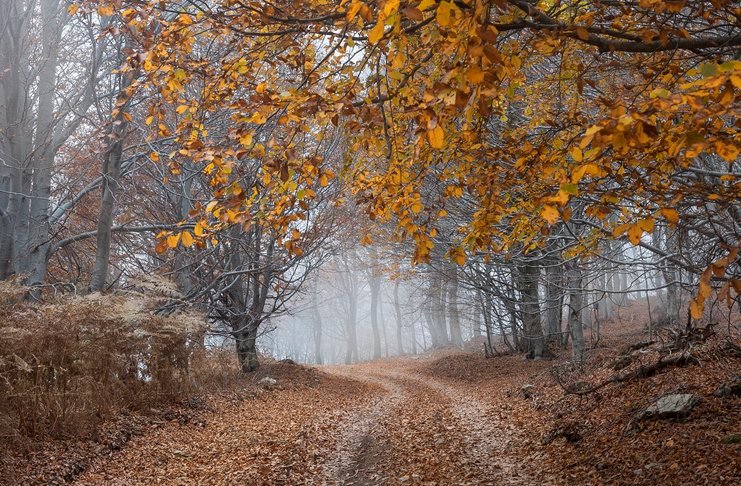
488	439
362	447
429	432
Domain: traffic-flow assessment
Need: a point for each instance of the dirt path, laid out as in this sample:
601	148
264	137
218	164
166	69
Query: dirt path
374	424
429	432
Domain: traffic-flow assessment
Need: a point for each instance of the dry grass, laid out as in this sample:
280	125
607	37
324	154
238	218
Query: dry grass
68	365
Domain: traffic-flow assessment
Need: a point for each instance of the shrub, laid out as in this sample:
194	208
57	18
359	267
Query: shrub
68	364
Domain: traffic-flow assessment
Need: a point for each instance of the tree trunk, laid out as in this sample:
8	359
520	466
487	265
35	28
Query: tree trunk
476	321
352	336
375	287
576	303
111	173
246	340
438	329
382	322
397	308
317	328
528	277
44	149
553	291
486	311
455	321
671	276
6	244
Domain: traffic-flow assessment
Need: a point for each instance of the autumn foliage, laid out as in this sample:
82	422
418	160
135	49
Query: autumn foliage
538	113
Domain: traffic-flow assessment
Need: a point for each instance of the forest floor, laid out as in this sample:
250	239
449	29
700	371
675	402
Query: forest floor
452	417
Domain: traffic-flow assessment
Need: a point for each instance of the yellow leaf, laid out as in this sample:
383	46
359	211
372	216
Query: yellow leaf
646	224
154	156
376	32
586	169
258	119
186	239
198	230
550	214
105	11
73	8
390	7
442	213
562	197
475	75
436	137
425	4
246	139
323	180
172	241
619	230
149	120
670	215
728	151
416	207
577	154
704	290
353	10
634	234
444	11
181	109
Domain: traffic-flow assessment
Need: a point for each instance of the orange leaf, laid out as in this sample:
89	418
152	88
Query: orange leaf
376	32
186	239
436	137
550	214
634	234
172	241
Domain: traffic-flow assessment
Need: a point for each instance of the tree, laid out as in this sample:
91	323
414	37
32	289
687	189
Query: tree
38	114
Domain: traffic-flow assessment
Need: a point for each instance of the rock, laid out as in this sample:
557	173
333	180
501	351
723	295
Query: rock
671	406
267	382
622	362
731	388
527	391
288	361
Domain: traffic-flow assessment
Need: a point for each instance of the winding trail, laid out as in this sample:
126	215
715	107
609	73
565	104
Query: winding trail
381	423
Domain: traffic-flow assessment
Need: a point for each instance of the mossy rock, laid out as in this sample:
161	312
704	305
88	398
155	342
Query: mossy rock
731	439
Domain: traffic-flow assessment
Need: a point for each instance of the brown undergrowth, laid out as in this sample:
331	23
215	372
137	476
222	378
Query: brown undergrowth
85	372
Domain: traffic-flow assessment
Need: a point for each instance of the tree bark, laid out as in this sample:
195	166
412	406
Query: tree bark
455	321
553	291
528	277
375	288
111	173
671	276
317	328
576	303
399	326
246	342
